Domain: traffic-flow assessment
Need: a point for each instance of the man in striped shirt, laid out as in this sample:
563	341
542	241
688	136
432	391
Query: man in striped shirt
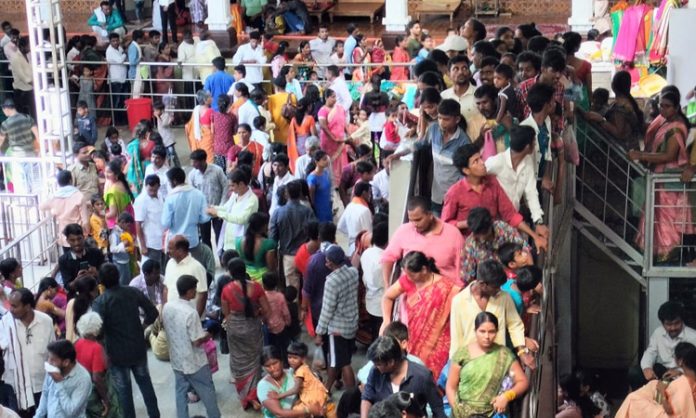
338	321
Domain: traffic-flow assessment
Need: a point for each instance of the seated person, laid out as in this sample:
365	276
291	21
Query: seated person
106	20
658	360
308	387
392	373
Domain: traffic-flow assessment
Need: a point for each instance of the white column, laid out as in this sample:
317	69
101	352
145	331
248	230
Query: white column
658	293
581	17
396	15
219	17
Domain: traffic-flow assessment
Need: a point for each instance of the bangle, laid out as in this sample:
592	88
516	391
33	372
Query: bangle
510	395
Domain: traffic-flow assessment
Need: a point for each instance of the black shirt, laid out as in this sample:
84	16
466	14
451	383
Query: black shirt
119	308
69	265
418	381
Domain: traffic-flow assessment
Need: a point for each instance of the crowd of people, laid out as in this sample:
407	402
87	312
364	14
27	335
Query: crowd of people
272	179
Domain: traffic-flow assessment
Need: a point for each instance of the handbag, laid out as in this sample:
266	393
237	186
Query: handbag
288	110
489	148
211	352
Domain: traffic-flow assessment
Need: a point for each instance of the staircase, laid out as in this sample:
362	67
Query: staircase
605	207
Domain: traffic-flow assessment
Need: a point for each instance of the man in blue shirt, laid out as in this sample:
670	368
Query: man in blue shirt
348	48
135	54
218	82
184	208
67	389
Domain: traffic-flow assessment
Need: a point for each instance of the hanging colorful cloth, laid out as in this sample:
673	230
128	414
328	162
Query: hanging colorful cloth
631	33
616	14
658	49
237	21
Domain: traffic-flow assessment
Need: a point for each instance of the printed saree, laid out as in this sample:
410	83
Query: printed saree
426	312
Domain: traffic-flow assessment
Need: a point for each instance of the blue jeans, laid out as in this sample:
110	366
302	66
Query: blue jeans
202	383
124	390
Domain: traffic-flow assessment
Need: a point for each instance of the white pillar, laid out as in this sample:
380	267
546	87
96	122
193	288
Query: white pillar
396	15
658	293
581	17
219	17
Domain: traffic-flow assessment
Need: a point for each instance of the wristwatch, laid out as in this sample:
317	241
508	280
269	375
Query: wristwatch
539	221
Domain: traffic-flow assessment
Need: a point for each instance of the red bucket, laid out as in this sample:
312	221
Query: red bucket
137	110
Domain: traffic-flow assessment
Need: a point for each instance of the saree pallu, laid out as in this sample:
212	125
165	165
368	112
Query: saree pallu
282	125
206	141
658	48
631	33
427	314
672	210
480	380
121	200
642	404
135	172
336	120
95	408
245	339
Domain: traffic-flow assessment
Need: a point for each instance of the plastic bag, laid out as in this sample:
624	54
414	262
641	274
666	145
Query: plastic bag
318	360
211	352
489	149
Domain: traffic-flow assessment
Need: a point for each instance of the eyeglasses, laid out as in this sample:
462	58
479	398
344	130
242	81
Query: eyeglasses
29	336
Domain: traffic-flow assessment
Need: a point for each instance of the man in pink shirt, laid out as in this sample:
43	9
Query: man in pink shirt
426	233
68	206
478	189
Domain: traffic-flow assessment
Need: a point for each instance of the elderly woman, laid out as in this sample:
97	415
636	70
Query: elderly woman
90	354
476	384
198	129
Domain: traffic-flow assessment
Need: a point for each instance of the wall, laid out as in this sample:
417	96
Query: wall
608	311
536	8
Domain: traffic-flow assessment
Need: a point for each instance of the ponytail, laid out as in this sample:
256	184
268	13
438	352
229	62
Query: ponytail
237	270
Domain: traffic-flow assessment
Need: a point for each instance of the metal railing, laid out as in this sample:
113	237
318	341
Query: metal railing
647	215
181	89
37	251
608	186
668	232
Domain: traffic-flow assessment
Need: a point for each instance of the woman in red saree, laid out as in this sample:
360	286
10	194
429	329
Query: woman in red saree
665	151
424	308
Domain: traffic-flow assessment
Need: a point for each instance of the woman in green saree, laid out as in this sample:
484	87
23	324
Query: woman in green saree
117	196
477	383
256	249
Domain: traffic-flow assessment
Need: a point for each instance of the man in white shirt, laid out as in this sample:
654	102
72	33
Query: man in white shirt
251	53
23	79
514	170
186	54
148	209
658	360
380	183
24	337
541	102
322	48
338	84
118	72
281	169
463	92
371	264
239	75
180	263
186	354
159	168
357	216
